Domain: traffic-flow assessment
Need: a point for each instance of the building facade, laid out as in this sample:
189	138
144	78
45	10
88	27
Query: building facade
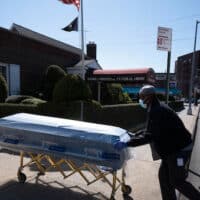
131	79
25	56
183	68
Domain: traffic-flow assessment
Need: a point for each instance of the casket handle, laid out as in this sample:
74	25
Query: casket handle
57	148
11	141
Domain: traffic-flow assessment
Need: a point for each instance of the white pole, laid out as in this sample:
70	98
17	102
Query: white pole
99	91
189	112
82	40
82	107
82	52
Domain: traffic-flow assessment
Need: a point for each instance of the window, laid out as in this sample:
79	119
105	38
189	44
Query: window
3	71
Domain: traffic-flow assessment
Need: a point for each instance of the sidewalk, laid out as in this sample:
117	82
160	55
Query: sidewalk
189	120
141	175
194	163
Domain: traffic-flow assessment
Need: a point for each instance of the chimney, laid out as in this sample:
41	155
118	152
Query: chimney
92	50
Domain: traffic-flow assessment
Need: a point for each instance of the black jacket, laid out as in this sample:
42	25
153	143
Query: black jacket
165	131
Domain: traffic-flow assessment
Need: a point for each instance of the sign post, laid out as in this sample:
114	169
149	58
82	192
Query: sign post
164	43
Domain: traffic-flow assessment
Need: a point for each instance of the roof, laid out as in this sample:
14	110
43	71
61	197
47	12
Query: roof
91	63
43	38
122	71
189	54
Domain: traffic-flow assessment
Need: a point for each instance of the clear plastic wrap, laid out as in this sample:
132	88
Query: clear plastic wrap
70	139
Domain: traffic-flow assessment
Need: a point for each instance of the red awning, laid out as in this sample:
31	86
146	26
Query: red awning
122	71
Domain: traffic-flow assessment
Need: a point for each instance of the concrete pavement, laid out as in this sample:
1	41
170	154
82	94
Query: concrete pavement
194	168
141	175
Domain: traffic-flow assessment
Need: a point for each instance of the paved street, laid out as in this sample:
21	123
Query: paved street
141	175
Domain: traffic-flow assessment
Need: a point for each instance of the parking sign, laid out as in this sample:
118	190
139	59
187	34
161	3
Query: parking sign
164	39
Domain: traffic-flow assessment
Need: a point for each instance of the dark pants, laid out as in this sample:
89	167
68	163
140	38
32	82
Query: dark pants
172	175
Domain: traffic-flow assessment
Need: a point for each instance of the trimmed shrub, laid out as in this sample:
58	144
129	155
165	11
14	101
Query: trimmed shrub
53	74
71	88
10	109
113	94
3	89
128	116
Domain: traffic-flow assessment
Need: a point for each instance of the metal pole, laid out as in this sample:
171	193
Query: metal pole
81	113
82	39
99	92
168	76
189	112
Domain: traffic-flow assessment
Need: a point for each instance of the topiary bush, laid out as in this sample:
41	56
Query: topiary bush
3	89
53	74
113	94
71	88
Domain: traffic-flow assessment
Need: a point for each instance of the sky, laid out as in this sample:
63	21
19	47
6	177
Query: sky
125	31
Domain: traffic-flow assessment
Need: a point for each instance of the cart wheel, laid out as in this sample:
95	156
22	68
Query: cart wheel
126	189
21	177
40	173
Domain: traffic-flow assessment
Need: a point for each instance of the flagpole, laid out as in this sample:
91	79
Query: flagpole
82	38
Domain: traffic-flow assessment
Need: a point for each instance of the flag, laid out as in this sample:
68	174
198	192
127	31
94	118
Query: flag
75	2
73	26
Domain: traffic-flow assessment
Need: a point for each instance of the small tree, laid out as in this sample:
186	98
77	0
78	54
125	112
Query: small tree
71	88
3	89
53	74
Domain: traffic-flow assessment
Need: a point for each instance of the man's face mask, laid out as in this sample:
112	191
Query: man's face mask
142	104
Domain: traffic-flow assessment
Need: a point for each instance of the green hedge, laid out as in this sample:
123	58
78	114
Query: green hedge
9	109
64	110
127	116
71	110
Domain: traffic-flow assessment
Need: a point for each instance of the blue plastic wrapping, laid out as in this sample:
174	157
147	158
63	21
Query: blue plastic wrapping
70	139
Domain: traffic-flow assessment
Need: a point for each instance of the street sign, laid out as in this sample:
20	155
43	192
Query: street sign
164	39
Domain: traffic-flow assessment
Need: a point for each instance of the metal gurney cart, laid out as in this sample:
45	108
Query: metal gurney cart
59	142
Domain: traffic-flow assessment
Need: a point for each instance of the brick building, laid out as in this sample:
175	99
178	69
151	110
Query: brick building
183	68
26	54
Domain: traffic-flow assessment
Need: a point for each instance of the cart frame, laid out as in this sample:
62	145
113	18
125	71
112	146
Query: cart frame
96	171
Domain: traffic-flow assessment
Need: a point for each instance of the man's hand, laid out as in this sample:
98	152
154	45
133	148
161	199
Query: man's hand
120	145
139	132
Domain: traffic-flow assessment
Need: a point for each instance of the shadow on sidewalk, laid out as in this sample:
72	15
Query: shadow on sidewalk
41	190
44	162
